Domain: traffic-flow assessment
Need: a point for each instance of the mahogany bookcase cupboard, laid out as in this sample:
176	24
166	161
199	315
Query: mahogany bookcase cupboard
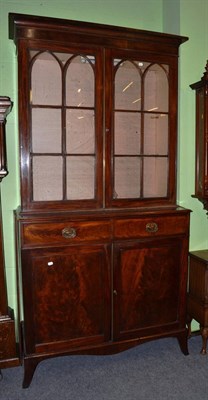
103	246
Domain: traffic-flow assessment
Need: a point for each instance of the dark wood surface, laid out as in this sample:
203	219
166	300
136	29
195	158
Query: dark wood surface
201	155
100	275
103	293
8	350
197	305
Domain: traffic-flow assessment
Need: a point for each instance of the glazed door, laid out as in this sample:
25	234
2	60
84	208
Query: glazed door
68	297
148	287
140	129
61	141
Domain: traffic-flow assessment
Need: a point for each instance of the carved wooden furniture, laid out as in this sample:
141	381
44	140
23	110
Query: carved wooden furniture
103	244
197	304
201	176
8	351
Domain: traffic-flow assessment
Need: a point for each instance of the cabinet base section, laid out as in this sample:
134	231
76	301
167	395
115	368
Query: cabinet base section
31	361
8	347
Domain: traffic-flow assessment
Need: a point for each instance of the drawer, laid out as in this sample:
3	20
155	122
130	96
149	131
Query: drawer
65	232
151	226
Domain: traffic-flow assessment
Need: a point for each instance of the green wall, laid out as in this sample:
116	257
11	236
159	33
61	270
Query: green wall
185	17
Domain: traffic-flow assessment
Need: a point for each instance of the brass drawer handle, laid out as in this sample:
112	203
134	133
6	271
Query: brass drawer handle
69	233
151	227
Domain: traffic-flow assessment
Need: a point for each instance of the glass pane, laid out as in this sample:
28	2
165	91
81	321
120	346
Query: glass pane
46	130
127	177
80	177
80	131
80	82
156	89
46	87
155	176
47	178
127	133
127	87
156	134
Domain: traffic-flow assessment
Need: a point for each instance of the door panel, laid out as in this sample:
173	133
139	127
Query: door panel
68	296
147	279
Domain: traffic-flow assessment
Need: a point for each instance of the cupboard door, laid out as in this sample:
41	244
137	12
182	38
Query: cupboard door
68	297
149	287
141	124
62	137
